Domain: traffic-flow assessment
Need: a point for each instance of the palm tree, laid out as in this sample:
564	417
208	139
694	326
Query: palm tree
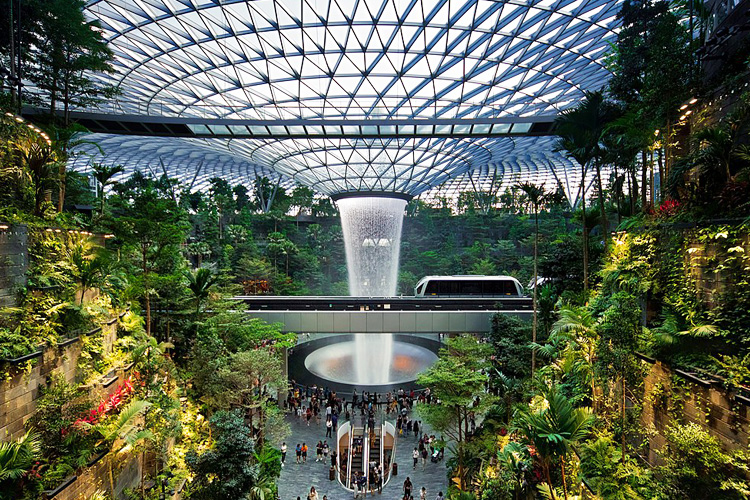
123	428
511	388
17	458
553	430
199	283
64	141
39	160
580	130
89	268
104	175
537	196
578	325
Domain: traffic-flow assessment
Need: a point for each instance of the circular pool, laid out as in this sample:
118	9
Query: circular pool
363	361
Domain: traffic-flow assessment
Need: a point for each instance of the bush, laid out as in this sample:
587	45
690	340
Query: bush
697	467
510	337
13	344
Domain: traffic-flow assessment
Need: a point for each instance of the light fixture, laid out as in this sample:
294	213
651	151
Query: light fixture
692	101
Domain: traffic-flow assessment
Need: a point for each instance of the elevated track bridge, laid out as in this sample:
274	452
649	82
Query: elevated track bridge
347	315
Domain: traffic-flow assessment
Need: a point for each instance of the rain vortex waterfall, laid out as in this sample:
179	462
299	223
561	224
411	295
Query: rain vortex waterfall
372	235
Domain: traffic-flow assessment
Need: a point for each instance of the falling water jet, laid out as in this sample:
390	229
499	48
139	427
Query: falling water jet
372	235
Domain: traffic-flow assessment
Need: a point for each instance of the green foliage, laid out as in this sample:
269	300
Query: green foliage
227	471
237	332
697	467
553	428
16	461
510	337
67	51
59	406
14	344
608	477
199	283
125	425
457	380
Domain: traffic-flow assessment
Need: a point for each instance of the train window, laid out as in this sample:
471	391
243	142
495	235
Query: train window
472	287
493	288
432	288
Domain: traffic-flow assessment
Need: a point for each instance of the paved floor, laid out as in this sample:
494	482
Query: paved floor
295	480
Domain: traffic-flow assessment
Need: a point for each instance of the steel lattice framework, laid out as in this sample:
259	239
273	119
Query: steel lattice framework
324	61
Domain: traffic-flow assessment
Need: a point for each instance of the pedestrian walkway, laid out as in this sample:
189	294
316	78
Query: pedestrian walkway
295	480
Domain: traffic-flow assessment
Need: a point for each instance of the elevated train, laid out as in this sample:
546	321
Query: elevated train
468	286
432	293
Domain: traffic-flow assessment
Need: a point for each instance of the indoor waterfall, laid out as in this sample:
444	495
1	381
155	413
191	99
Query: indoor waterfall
372	235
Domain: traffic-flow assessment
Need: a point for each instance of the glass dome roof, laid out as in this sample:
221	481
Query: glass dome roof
324	60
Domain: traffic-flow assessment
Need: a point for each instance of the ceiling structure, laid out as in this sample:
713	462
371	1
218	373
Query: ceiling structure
300	71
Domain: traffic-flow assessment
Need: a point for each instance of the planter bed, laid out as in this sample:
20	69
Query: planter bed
97	458
107	381
25	357
693	377
66	482
66	343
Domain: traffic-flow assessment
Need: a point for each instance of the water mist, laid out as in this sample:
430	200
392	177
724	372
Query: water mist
372	235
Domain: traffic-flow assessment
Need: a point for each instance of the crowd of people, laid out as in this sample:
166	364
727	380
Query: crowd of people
313	404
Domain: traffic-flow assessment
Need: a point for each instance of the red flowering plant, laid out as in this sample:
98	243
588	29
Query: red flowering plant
668	208
113	402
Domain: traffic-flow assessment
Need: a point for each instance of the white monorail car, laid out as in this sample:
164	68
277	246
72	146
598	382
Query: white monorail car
468	286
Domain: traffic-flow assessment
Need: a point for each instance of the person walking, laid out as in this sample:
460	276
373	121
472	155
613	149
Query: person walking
304	453
423	493
325	451
416	428
439	496
329	427
415	457
299	453
407	487
424	457
319	451
313	493
283	454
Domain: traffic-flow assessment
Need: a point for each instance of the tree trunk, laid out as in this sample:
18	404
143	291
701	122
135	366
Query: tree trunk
562	470
147	296
549	482
622	418
111	477
61	190
585	233
661	175
602	210
644	180
633	191
143	466
534	300
652	195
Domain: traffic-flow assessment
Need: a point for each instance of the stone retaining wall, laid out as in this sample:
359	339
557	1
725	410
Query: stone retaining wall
20	389
13	261
126	471
680	396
